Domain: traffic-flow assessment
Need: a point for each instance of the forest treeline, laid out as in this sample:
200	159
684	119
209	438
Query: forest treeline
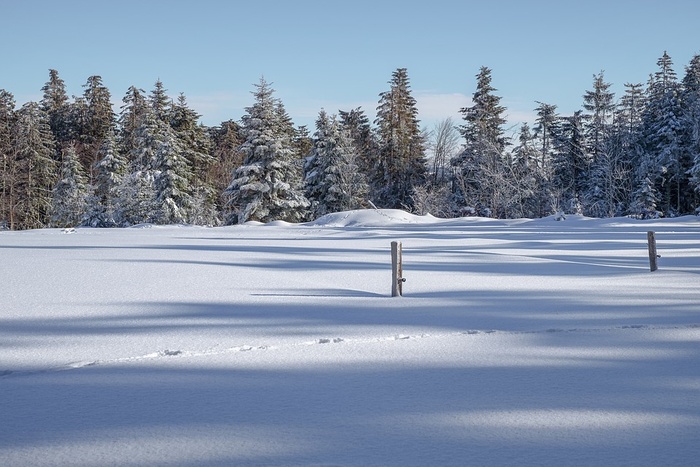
75	162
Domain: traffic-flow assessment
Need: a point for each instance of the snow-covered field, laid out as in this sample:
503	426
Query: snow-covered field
523	342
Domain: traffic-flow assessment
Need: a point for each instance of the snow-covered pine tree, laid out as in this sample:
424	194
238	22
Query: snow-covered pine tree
136	195
690	99
401	145
70	194
35	174
110	170
480	166
530	197
195	144
133	111
172	176
356	123
7	159
268	186
601	183
569	165
333	180
547	131
55	103
660	159
98	122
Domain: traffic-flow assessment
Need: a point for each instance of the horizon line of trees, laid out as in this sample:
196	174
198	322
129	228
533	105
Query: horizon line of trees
75	162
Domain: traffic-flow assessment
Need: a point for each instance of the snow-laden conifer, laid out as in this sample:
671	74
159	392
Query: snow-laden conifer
268	186
70	195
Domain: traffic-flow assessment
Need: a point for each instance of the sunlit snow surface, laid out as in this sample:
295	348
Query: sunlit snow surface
523	342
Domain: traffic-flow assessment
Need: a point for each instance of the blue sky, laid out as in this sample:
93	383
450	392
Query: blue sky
341	54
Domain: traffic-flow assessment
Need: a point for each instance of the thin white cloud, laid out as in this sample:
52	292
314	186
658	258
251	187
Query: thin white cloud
434	107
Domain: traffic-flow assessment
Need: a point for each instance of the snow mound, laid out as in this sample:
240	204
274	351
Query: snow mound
371	218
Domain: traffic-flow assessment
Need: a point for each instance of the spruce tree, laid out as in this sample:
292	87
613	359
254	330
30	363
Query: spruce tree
401	160
95	121
333	180
356	123
110	170
546	130
268	186
56	104
70	194
35	170
690	99
570	165
480	166
195	144
661	152
7	159
600	196
133	111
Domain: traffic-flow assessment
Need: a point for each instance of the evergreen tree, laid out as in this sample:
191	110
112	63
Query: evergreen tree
357	125
547	130
401	146
600	103
133	112
98	121
569	165
35	173
333	182
601	191
690	99
160	102
480	166
661	153
268	185
172	175
110	170
7	159
55	103
530	197
69	202
195	144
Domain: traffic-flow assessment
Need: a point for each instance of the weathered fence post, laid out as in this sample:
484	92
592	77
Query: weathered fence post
397	279
653	256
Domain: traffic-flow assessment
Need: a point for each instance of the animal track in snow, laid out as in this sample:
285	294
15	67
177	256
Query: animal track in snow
169	353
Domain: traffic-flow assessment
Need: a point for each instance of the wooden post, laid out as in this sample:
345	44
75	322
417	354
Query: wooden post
397	279
651	240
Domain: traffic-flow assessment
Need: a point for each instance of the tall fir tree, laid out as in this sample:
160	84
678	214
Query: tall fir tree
546	130
569	166
133	111
98	121
7	158
690	99
660	158
480	166
56	104
333	181
401	161
600	197
110	170
70	194
195	143
35	174
268	186
356	123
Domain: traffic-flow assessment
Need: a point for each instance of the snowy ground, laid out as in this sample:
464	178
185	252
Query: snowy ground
516	343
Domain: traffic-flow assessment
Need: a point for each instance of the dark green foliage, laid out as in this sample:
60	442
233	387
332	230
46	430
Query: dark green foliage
400	163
